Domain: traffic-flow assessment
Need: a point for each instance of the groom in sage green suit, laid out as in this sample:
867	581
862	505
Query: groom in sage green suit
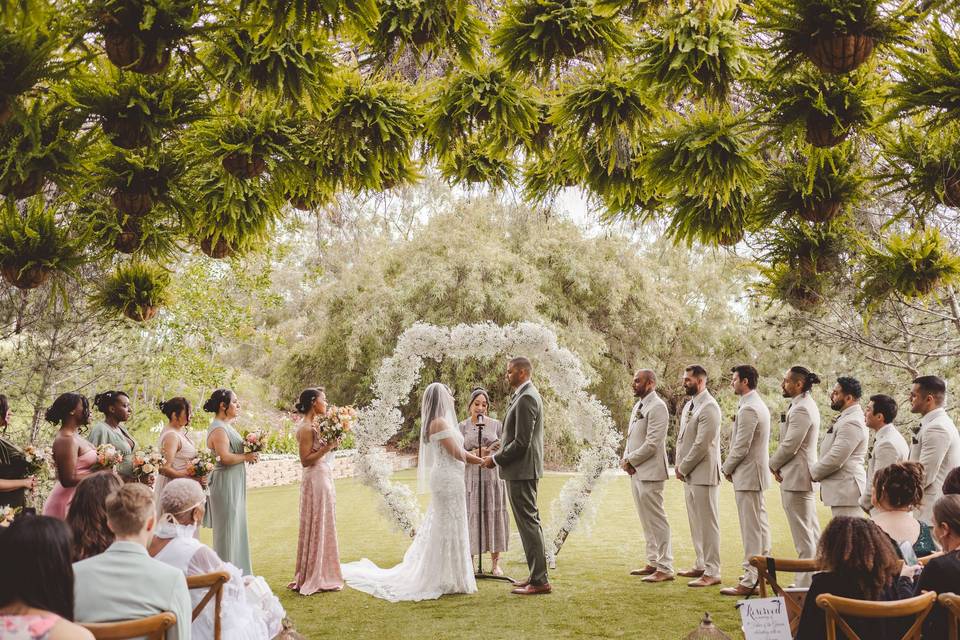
520	461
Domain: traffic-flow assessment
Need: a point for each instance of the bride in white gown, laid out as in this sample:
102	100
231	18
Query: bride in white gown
438	560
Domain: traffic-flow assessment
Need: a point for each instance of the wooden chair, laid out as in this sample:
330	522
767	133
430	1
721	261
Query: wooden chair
925	559
767	569
951	602
835	607
213	583
152	628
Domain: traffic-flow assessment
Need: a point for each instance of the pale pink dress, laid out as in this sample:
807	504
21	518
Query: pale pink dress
181	460
58	502
28	627
318	555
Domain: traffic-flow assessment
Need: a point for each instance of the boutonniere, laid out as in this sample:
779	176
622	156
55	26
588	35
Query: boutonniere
783	417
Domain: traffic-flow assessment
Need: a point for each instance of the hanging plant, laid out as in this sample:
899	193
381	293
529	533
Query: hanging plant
811	249
817	191
39	144
138	34
622	190
697	52
246	143
136	182
33	246
913	265
294	68
923	165
710	155
358	16
709	220
487	103
540	37
428	28
369	133
801	290
930	77
233	215
827	108
26	58
607	106
544	177
137	111
136	290
837	36
473	162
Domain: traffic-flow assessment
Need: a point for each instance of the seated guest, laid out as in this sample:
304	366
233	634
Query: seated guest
123	582
942	574
38	604
859	561
87	515
250	610
951	484
897	491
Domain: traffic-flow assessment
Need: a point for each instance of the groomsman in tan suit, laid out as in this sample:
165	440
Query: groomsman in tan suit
645	459
791	463
936	444
840	469
698	467
748	467
889	446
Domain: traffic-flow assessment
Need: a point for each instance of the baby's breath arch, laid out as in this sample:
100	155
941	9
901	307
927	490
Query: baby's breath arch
555	367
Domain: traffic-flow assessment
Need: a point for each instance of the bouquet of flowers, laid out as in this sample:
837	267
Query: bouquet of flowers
146	463
336	423
108	457
254	441
39	460
7	514
203	464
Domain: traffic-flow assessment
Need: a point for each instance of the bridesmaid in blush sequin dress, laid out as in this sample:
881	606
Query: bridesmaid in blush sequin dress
73	456
318	554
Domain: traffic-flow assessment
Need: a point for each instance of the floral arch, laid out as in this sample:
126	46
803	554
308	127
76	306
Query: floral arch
555	367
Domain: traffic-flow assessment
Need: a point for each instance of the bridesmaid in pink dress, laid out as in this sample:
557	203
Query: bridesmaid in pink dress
178	450
73	455
318	555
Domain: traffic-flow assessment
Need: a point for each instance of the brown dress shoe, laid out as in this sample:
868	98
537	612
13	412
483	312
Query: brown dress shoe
659	576
738	591
533	589
704	581
646	571
690	573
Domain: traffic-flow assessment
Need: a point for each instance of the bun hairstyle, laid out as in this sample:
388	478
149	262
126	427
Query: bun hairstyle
103	401
307	398
900	484
808	377
174	407
217	398
63	405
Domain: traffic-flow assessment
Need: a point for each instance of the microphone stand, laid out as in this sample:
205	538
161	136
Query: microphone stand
480	575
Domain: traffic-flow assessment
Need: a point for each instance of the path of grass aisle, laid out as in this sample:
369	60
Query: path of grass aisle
594	595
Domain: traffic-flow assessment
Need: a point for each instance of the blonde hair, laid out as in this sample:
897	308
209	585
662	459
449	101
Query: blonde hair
180	495
129	508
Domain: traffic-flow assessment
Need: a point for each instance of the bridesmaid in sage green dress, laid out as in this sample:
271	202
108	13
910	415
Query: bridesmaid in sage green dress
115	406
228	482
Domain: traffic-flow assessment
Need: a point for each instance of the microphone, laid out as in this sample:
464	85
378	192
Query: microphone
479	419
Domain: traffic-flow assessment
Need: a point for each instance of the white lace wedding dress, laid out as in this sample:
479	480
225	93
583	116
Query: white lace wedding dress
438	561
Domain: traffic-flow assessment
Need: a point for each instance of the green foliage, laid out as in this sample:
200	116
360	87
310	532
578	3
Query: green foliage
542	36
26	57
807	188
262	132
813	249
34	239
803	290
155	22
931	76
241	212
428	28
698	52
923	165
133	288
159	173
474	162
357	15
912	265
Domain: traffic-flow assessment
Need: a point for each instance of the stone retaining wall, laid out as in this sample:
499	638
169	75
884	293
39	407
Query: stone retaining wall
275	470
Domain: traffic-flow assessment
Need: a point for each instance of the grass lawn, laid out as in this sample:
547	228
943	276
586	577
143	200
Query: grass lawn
593	594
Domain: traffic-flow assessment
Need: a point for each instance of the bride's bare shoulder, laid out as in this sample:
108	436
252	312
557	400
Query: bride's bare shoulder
439	424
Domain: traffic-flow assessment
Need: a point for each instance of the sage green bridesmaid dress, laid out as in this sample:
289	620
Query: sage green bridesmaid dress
227	504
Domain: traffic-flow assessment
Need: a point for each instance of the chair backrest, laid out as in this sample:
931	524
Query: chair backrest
835	607
925	559
951	602
213	583
767	569
153	628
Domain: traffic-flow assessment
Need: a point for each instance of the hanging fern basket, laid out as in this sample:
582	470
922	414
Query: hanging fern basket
29	186
219	250
130	53
128	240
141	313
730	238
820	131
840	53
951	190
244	166
804	298
30	278
823	211
308	203
126	133
132	203
6	109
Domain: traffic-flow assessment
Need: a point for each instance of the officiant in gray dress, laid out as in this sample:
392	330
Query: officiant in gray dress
496	521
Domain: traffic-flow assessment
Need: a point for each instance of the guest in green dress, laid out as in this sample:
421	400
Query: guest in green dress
15	480
228	482
897	491
115	406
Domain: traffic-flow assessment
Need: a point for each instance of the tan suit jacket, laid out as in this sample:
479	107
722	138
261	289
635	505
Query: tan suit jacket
646	447
797	450
748	460
889	447
698	445
840	469
937	447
